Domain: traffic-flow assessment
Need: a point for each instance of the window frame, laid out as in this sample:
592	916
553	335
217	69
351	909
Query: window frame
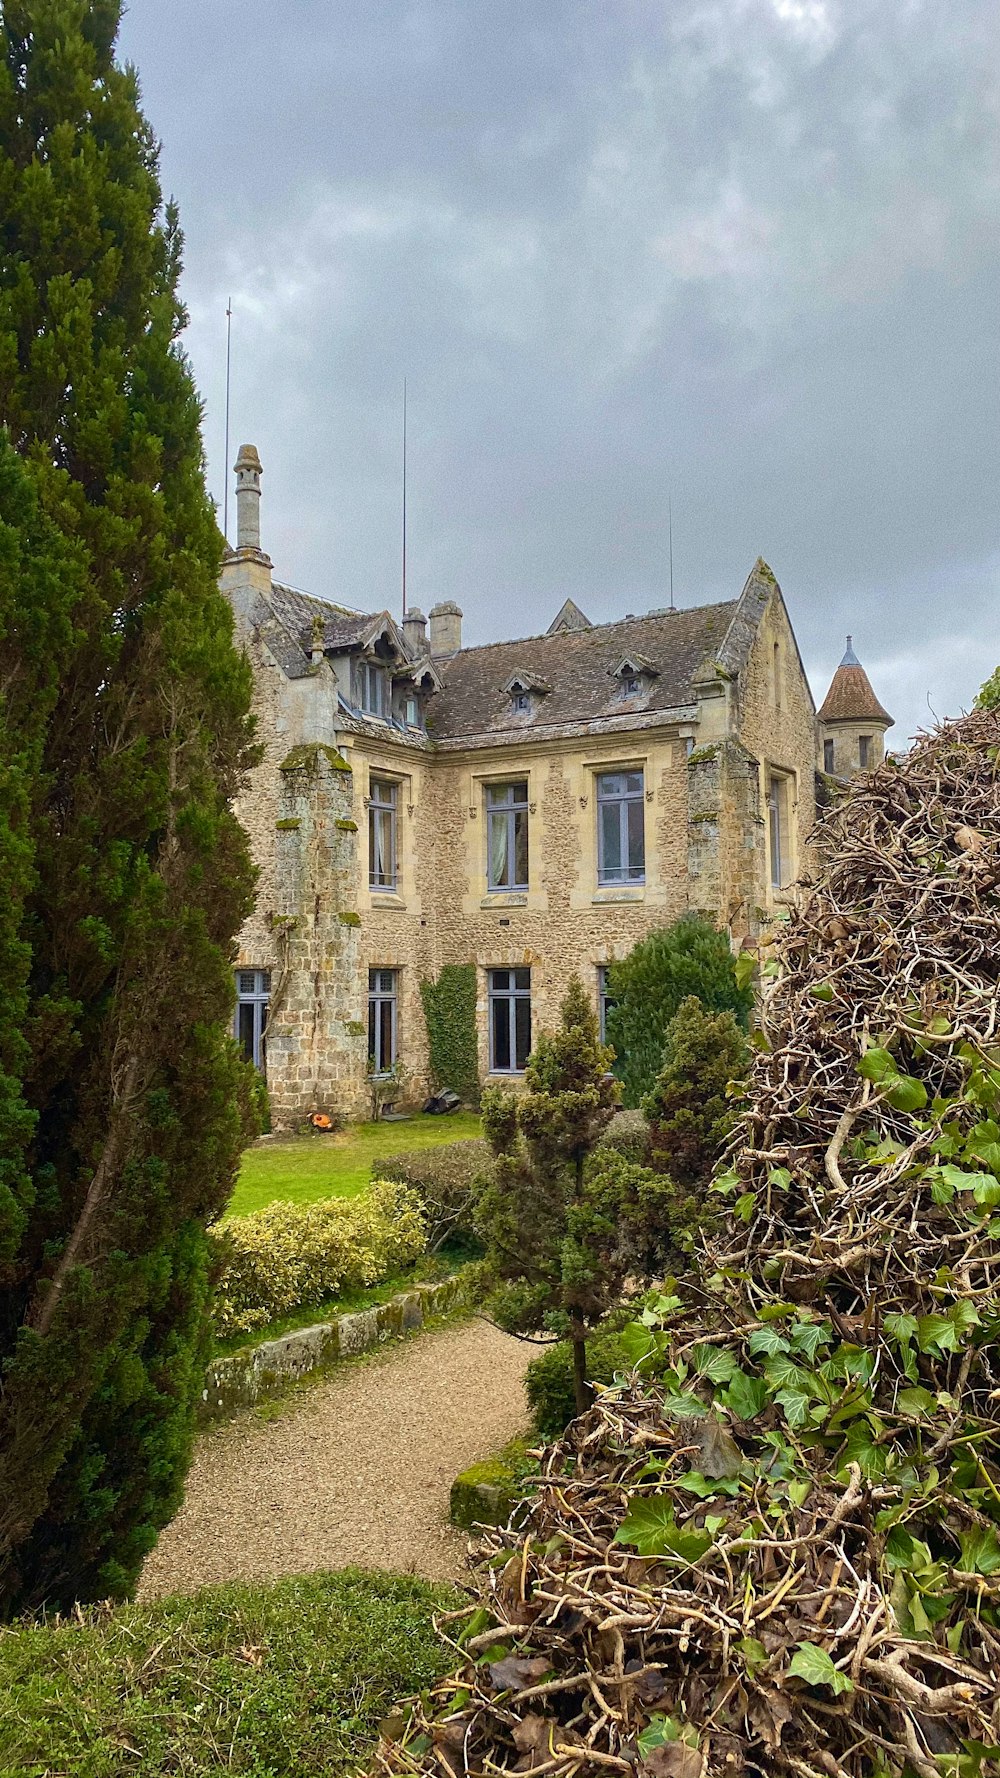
379	807
259	998
506	814
625	875
864	752
381	998
779	828
828	754
512	995
372	676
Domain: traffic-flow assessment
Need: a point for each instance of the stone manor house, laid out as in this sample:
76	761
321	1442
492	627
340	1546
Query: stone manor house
532	807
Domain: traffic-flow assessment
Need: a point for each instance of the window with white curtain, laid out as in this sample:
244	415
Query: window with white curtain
621	836
382	834
507	836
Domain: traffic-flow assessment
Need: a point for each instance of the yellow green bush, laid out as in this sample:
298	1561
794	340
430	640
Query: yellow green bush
288	1257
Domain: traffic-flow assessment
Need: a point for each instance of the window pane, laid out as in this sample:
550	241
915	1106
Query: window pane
521	850
522	1028
373	1020
636	839
633	783
385	1054
519	793
498	858
610	784
522	980
499	981
610	841
244	1030
500	1031
387	980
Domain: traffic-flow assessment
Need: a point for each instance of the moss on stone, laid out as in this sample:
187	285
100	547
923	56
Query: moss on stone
349	918
701	755
305	758
289	822
705	815
346	826
485	1493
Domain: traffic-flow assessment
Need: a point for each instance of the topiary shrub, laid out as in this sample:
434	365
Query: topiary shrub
690	957
452	1039
447	1181
692	1109
548	1381
628	1135
295	1256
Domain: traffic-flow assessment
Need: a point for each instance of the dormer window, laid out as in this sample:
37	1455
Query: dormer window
524	690
521	700
635	676
372	684
631	685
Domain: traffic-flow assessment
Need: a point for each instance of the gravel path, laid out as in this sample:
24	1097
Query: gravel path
356	1470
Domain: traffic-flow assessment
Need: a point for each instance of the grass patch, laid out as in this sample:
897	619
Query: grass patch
301	1170
286	1680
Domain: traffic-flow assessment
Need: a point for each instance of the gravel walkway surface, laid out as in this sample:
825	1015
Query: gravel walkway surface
357	1469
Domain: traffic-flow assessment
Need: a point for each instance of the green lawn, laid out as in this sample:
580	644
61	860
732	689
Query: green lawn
282	1681
302	1169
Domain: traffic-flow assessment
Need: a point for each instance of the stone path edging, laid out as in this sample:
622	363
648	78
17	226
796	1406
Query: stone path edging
258	1373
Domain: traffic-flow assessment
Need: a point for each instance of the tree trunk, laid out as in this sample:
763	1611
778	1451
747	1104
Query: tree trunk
582	1391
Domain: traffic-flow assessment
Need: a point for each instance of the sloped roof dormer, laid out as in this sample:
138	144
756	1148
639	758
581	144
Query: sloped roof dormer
526	682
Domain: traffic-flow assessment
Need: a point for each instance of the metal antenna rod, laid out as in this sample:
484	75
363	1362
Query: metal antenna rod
404	496
670	524
229	346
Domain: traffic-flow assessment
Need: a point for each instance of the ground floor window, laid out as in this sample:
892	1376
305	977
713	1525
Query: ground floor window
510	1020
778	831
605	999
382	1019
253	994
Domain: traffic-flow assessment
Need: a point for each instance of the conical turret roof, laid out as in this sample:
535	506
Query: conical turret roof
850	697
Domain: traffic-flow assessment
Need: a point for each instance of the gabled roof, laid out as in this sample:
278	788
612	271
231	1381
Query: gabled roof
568	617
335	628
850	697
579	665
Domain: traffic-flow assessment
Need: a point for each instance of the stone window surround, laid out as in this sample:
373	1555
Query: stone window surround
383	801
397	896
480	783
603	893
380	998
512	995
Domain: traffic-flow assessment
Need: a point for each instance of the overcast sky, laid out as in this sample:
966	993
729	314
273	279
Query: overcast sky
740	252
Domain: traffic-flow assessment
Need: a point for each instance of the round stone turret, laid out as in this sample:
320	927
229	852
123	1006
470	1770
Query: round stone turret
851	722
248	474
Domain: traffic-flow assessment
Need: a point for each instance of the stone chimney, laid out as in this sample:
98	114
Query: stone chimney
446	628
415	631
248	473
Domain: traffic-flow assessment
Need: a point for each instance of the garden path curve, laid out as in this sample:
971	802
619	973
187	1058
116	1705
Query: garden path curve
356	1469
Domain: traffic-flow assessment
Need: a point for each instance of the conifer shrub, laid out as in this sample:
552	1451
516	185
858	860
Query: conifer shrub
628	1135
692	1108
447	1180
124	738
647	987
288	1257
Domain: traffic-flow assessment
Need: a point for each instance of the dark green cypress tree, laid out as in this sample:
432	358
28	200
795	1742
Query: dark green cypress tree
124	735
691	1110
690	957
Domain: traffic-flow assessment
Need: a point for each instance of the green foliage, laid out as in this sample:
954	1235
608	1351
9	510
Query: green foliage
452	1042
124	736
628	1135
278	1679
296	1256
447	1180
550	1227
691	1110
690	957
548	1381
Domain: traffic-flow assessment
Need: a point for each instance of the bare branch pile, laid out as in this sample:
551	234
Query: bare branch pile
776	1547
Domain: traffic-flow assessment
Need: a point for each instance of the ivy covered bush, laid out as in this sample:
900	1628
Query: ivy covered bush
296	1256
447	1181
452	1042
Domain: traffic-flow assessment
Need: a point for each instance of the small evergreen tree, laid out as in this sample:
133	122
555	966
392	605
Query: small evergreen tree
647	987
690	1111
123	876
550	1225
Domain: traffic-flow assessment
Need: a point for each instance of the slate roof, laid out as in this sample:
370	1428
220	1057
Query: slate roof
580	667
342	628
850	697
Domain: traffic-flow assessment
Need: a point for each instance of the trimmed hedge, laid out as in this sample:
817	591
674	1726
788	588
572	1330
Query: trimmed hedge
295	1256
263	1681
445	1180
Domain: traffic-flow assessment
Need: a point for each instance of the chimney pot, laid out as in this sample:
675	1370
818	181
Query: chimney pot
446	628
415	630
248	474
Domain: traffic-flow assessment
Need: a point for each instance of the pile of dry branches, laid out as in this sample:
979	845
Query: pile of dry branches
776	1548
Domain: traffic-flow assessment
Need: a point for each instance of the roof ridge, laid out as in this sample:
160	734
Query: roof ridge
635	617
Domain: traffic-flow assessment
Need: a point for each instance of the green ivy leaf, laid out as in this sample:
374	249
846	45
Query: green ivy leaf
936	1335
915	1401
766	1340
980	1550
714	1362
754	1654
705	1486
901	1327
651	1528
746	1396
815	1666
744	1206
876	1064
809	1336
821	991
906	1094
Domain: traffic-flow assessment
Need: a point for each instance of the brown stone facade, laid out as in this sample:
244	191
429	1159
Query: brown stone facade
726	775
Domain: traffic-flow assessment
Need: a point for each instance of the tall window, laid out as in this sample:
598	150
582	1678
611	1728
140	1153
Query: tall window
382	1019
777	824
372	684
510	1020
507	836
828	756
621	844
253	994
605	1000
382	834
864	751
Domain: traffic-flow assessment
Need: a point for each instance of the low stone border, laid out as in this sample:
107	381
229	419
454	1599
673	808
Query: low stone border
257	1373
